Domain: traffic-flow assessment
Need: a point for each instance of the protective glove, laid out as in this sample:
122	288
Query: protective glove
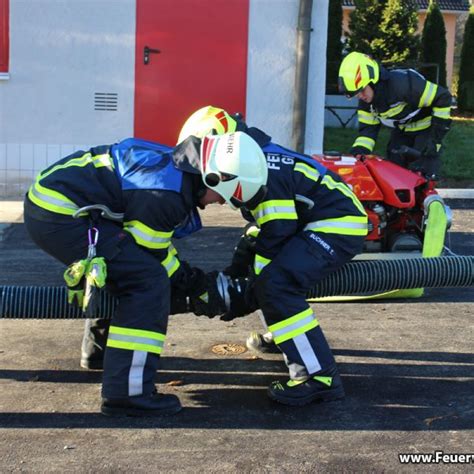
209	302
96	276
192	280
244	253
431	149
359	151
179	301
242	299
428	165
74	278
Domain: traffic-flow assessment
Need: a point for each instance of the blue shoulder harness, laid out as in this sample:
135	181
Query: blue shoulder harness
141	164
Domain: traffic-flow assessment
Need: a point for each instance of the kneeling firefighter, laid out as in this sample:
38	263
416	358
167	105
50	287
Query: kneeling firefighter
309	224
157	189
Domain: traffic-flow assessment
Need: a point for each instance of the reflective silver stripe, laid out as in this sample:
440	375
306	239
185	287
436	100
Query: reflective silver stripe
135	375
294	326
137	339
171	264
161	241
308	171
259	266
49	199
273	210
428	94
307	353
328	223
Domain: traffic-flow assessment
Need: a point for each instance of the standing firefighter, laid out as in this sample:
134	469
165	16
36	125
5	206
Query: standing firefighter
417	110
309	224
158	190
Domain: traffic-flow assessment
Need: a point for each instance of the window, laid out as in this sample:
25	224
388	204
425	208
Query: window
4	35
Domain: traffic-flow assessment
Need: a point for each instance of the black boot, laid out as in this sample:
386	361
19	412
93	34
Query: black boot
93	343
155	404
324	386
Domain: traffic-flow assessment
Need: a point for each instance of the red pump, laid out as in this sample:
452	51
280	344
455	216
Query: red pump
397	202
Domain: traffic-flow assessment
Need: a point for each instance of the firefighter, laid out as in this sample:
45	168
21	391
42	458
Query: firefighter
310	224
203	122
158	190
417	110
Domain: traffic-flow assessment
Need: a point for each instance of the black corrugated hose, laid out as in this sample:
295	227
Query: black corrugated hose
357	277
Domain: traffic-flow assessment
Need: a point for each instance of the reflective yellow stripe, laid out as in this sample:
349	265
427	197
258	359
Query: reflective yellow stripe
442	112
347	225
172	249
52	200
366	142
417	126
309	171
171	262
275	209
260	263
393	111
252	231
367	117
294	326
146	236
99	161
135	339
428	94
329	182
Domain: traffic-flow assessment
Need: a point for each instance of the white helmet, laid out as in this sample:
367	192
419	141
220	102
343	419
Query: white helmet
234	166
205	120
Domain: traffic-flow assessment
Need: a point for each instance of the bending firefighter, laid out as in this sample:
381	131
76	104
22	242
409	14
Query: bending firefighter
309	224
417	110
158	190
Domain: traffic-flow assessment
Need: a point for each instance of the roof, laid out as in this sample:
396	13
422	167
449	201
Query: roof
451	5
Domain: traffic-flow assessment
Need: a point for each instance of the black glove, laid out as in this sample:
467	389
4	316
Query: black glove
209	302
431	149
439	128
428	165
359	151
190	291
244	253
242	299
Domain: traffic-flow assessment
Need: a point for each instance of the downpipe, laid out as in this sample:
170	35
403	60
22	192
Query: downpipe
356	277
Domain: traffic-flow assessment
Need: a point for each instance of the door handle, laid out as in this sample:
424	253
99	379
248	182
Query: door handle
146	54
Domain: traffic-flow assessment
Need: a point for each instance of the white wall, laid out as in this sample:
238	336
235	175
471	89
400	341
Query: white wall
61	53
271	70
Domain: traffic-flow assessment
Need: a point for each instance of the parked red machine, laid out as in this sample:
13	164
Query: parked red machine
407	217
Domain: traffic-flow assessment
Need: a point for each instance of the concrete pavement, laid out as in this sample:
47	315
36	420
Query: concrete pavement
407	365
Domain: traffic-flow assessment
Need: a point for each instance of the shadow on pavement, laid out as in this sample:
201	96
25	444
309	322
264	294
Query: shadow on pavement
230	394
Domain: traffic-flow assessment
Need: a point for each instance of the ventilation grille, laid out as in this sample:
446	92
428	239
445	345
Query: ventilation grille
105	101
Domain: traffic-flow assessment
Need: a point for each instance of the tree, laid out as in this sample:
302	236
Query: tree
364	25
398	42
334	45
466	69
433	44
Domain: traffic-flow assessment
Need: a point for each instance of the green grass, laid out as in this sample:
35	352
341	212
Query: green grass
458	155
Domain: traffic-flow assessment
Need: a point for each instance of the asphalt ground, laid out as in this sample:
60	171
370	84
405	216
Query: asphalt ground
407	366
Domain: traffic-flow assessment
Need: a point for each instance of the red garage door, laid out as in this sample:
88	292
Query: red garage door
189	53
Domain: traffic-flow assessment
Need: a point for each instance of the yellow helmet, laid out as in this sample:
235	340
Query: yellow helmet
205	120
357	71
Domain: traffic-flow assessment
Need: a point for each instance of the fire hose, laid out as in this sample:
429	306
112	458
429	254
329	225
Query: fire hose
357	277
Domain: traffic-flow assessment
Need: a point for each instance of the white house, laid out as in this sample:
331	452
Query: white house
78	73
